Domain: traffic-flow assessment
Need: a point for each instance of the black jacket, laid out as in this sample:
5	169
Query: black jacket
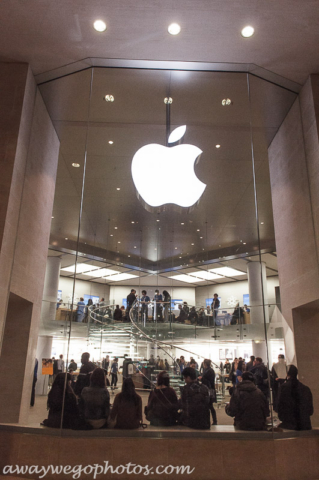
95	403
260	373
130	299
162	407
295	405
208	378
249	406
117	315
195	402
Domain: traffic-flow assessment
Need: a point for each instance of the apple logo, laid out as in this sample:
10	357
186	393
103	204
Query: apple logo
164	175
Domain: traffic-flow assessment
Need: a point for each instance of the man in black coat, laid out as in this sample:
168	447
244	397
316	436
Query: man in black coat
208	379
295	405
260	373
248	405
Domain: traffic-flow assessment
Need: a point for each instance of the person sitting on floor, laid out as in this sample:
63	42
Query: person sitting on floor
194	402
61	388
127	407
162	406
248	405
295	405
95	400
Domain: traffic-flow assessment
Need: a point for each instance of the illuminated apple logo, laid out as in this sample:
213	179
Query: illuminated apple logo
166	174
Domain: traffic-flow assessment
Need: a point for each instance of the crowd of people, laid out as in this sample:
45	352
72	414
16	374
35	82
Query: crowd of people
86	402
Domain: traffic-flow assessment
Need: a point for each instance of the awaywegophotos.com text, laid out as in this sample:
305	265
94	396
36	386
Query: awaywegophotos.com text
96	470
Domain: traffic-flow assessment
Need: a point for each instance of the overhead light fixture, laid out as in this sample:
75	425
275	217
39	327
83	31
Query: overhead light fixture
80	268
76	165
175	248
244	243
111	235
134	246
186	279
226	102
120	276
132	222
115	228
182	223
52	217
101	272
174	29
109	98
118	189
247	31
204	275
99	26
111	142
66	238
118	242
198	230
157	220
261	223
227	271
201	238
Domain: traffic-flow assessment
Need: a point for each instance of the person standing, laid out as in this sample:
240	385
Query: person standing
260	373
60	364
114	372
208	379
215	306
279	375
295	405
167	302
80	310
249	365
35	379
145	300
106	362
73	365
130	299
158	299
194	402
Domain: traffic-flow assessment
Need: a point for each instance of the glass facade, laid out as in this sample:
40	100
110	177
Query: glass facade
110	239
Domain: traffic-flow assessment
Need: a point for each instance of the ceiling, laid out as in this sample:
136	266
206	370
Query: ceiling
164	279
115	226
49	35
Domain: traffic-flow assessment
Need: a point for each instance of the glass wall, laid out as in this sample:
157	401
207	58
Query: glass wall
186	220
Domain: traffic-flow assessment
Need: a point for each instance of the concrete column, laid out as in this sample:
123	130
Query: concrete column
44	350
257	283
50	290
29	149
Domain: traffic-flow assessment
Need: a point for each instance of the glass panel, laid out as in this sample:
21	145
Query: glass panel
119	244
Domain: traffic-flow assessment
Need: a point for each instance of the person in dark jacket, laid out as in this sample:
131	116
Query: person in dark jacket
260	373
73	366
194	402
118	314
295	405
248	405
86	369
182	315
127	407
208	379
162	406
193	316
95	400
249	365
237	316
55	402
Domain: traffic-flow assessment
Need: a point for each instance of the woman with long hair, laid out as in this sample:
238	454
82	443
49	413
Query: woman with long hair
162	406
61	389
127	407
95	400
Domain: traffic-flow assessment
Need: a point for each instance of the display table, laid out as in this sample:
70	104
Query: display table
63	313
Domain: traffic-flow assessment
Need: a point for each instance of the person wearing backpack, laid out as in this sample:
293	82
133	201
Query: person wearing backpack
194	402
208	379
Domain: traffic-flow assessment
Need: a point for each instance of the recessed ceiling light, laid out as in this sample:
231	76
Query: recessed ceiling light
129	255
134	247
179	257
111	142
76	165
182	224
99	26
111	235
192	243
226	102
174	29
118	188
52	217
244	243
175	248
132	222
201	238
247	31
118	242
109	98
217	146
261	223
115	228
157	220
155	248
66	238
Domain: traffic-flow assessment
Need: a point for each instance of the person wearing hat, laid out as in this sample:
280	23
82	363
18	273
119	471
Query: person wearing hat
248	405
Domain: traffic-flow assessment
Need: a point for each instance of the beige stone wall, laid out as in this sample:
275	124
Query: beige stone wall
27	223
294	175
